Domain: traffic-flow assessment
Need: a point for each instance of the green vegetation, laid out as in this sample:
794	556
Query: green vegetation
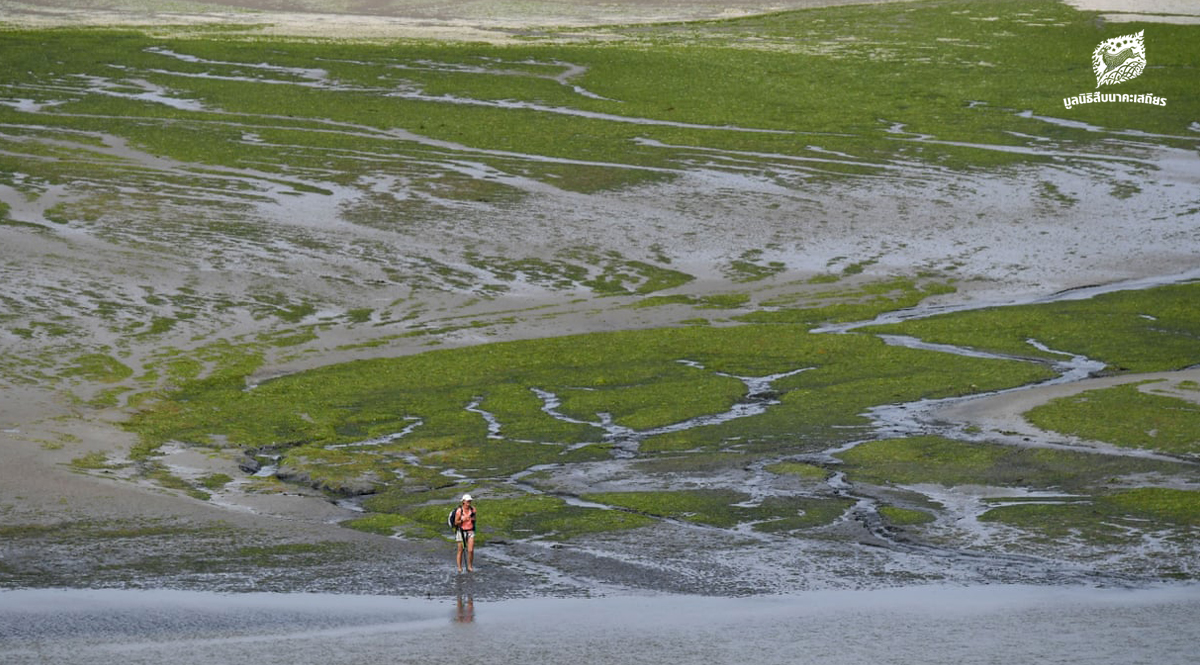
716	301
748	267
360	315
1090	502
108	398
635	376
855	304
99	367
215	481
726	508
97	459
806	471
897	516
1116	516
605	273
1144	420
163	477
1135	331
947	462
764	73
915	63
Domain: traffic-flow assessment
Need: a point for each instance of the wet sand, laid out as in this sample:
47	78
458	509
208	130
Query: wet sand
931	625
495	21
393	18
489	20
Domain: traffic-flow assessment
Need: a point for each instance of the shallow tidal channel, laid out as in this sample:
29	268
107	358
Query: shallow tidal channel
920	624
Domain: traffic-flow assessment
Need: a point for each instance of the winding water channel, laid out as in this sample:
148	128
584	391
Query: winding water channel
279	199
976	550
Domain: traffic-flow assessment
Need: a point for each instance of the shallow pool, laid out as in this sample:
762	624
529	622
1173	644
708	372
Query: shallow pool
926	624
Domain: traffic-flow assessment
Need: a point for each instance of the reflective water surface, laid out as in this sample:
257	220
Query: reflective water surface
927	624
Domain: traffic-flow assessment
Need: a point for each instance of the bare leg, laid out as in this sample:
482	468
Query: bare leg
458	557
470	555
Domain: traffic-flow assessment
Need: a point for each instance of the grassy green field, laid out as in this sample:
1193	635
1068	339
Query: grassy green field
968	74
638	380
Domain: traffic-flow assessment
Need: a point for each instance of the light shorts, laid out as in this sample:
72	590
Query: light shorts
459	533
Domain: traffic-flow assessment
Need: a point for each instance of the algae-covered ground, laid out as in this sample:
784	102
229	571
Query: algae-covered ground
674	301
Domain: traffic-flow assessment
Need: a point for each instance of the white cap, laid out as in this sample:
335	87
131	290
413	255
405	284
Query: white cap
466	497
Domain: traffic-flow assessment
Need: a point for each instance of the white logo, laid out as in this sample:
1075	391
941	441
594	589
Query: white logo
1119	59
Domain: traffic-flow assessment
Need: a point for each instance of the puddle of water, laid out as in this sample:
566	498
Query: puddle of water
312	74
929	624
29	105
150	92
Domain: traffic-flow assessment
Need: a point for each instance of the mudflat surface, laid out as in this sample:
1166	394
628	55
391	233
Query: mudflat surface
1019	251
486	20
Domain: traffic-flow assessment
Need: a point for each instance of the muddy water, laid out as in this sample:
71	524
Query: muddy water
930	625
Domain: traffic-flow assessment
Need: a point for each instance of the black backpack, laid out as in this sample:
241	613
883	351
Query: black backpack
450	518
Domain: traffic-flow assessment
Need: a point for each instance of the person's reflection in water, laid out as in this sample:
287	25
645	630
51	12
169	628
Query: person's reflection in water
465	610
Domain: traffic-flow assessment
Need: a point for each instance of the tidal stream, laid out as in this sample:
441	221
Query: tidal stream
977	552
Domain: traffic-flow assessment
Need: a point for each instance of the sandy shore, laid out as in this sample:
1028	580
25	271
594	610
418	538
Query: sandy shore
483	21
487	21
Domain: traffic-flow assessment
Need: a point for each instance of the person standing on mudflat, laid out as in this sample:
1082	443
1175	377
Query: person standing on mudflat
464	532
